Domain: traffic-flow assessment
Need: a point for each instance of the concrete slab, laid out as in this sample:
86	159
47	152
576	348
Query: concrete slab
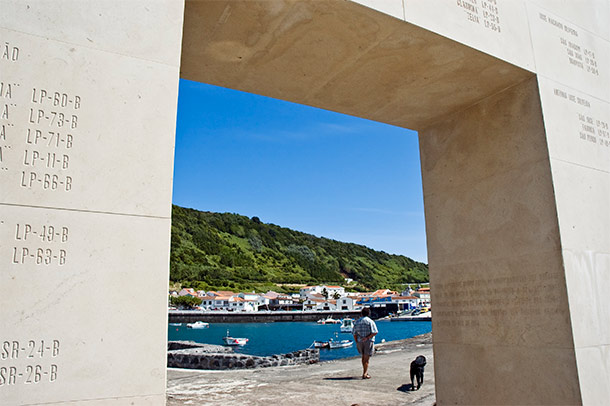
334	382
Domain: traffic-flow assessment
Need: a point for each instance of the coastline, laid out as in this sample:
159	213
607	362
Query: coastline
331	382
191	316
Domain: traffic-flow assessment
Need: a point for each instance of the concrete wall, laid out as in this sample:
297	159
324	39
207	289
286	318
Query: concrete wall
87	122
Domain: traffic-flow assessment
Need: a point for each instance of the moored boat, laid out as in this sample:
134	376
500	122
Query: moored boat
198	324
347	325
228	340
332	344
329	320
320	344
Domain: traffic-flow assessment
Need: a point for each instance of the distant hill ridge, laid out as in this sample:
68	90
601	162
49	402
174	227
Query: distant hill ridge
229	251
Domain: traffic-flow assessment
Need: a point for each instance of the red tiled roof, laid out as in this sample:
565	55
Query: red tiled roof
207	298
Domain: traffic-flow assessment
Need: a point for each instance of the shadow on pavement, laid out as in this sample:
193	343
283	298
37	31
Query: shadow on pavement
405	388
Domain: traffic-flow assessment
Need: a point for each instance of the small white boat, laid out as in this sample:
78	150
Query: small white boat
329	320
175	324
234	340
332	344
320	344
347	325
198	324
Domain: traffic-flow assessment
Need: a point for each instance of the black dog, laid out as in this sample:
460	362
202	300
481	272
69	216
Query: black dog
417	370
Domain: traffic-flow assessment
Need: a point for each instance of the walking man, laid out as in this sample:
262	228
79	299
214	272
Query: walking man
365	331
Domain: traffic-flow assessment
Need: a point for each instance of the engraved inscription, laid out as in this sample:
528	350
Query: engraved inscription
12	350
471	302
30	374
10	52
6	96
40	245
593	130
46	233
38	156
41	356
576	54
485	13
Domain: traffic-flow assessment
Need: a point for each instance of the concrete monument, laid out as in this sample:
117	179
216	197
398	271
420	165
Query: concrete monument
512	103
88	95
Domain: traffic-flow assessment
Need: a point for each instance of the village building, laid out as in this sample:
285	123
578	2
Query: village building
347	303
332	291
424	296
187	292
313	303
406	302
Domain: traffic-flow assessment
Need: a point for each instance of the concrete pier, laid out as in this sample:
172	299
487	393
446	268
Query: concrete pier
333	383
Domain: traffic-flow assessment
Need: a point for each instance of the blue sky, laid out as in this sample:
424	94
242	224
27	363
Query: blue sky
308	169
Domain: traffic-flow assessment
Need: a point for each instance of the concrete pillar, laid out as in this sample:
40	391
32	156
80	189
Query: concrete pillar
501	321
88	95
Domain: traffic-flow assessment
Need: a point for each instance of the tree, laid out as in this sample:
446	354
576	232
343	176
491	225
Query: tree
325	293
187	301
336	296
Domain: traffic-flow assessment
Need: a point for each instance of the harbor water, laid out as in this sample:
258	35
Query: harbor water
283	337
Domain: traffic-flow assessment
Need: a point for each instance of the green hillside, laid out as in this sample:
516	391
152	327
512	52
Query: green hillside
233	252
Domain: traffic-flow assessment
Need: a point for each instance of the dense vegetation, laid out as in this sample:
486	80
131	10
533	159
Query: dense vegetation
232	252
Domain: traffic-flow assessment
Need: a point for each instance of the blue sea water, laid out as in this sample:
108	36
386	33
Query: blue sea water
282	337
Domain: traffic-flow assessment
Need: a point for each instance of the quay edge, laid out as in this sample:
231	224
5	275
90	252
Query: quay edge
190	316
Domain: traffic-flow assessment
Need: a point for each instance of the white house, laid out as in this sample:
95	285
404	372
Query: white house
221	302
312	303
424	296
207	302
327	305
346	303
239	304
304	292
249	296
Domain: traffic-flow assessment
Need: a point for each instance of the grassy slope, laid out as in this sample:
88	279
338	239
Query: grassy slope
229	251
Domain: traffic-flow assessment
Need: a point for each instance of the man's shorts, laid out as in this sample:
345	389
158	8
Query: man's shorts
366	347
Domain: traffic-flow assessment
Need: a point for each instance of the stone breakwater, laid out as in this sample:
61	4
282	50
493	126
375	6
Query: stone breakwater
191	355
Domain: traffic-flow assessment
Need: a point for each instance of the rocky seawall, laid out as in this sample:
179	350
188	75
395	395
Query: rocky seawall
191	355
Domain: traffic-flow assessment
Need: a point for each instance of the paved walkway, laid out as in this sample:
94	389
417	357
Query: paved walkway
326	383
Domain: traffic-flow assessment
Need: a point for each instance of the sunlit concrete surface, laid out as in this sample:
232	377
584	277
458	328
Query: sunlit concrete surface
326	383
